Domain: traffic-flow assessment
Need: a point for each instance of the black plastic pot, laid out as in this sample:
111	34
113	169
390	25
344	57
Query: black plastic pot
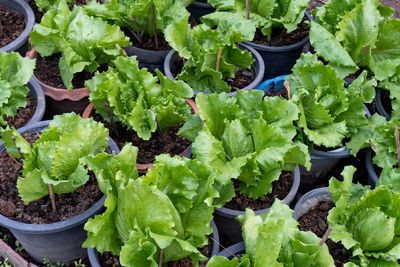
309	200
231	229
60	241
36	91
279	60
95	262
258	65
20	44
379	105
372	176
149	59
199	9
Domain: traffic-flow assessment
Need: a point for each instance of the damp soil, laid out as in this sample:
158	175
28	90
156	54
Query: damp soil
12	242
38	14
148	42
148	150
40	211
313	4
48	72
12	25
280	37
271	92
280	189
395	4
315	220
23	114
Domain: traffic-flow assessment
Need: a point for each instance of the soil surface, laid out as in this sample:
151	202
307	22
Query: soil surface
48	72
40	211
313	4
395	4
280	189
38	14
23	114
280	37
315	221
12	25
148	42
271	92
9	238
148	150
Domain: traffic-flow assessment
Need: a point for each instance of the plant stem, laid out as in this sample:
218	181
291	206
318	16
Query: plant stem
287	86
154	25
218	59
325	237
161	132
365	51
248	9
160	259
53	198
15	160
112	120
396	136
213	239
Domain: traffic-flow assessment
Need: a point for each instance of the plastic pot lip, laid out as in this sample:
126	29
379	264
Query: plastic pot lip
370	168
285	48
253	84
142	168
57	226
40	102
238	248
230	213
322	191
29	23
95	262
379	105
58	94
147	51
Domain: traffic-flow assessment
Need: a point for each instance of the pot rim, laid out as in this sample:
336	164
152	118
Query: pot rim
379	104
48	228
372	175
29	23
322	191
230	213
40	102
58	94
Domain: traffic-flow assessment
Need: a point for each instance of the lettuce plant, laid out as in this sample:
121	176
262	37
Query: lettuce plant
264	15
137	100
169	209
55	157
249	139
366	222
85	42
273	239
328	111
15	72
200	47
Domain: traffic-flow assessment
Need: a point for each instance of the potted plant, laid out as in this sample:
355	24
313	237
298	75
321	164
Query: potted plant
200	8
250	140
170	216
213	62
20	105
145	22
72	45
281	33
273	239
142	109
48	205
330	114
18	20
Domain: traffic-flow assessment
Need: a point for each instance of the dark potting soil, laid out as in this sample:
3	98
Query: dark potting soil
107	259
395	4
313	4
40	211
48	72
280	189
372	107
242	79
11	241
280	37
38	14
148	150
12	25
148	42
315	221
23	114
386	101
271	92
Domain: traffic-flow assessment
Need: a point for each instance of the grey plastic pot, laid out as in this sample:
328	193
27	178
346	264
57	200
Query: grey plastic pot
279	60
372	176
60	241
309	200
231	229
258	65
36	91
379	104
236	249
95	261
199	9
20	44
149	59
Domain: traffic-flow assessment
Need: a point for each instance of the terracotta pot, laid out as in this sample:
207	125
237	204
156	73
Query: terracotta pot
142	168
60	100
